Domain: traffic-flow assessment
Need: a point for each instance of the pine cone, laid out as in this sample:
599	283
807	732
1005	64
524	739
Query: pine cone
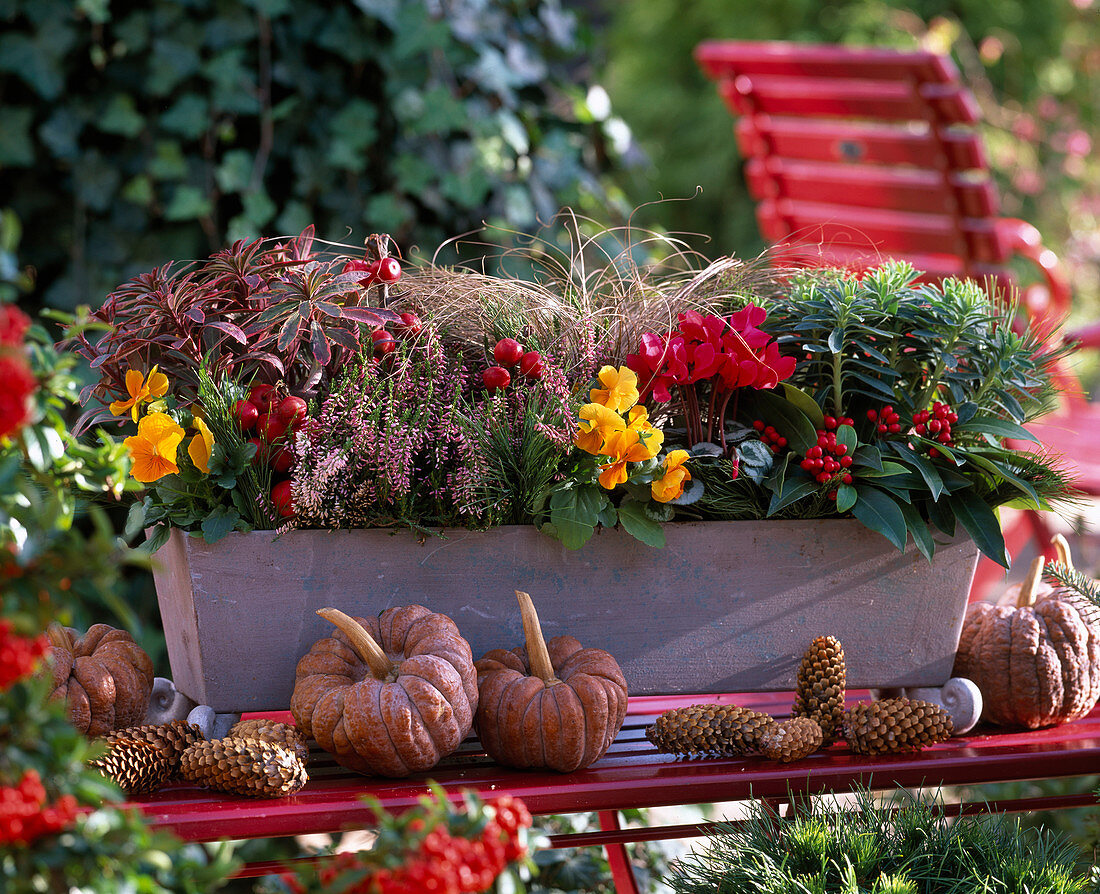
896	724
252	767
137	766
790	740
822	677
269	731
173	738
720	730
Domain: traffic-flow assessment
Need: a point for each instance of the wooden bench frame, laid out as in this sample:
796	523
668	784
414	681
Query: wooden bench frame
634	775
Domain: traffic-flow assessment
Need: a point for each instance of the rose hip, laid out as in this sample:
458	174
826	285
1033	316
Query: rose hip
410	323
496	377
530	365
388	270
246	414
282	500
507	352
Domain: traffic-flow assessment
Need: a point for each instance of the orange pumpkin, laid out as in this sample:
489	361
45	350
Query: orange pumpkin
553	705
391	695
105	677
1037	663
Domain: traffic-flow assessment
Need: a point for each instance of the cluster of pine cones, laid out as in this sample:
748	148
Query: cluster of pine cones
257	758
818	718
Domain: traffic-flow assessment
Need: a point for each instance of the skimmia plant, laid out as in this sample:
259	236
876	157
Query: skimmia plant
283	384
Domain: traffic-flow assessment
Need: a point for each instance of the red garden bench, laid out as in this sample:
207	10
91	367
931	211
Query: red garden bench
854	155
634	775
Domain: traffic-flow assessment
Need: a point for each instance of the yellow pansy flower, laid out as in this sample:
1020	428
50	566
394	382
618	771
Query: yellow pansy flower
140	388
620	389
671	484
596	423
153	448
623	446
201	446
654	438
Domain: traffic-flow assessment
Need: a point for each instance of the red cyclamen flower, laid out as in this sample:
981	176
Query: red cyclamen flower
13	325
17	384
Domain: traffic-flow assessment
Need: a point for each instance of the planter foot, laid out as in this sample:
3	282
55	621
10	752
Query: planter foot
212	726
959	696
166	703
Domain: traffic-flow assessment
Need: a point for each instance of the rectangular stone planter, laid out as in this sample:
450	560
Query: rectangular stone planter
724	607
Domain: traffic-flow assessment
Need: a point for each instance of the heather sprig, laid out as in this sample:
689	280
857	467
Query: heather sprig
382	447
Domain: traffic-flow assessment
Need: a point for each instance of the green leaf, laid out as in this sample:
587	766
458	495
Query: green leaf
836	341
869	456
924	467
805	403
918	527
755	459
981	524
846	497
941	515
788	419
1000	470
575	512
16	146
121	117
998	428
794	489
638	524
188	203
847	436
880	512
218	523
189	117
235	171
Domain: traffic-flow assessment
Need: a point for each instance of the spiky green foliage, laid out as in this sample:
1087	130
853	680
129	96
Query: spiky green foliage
870	848
1074	580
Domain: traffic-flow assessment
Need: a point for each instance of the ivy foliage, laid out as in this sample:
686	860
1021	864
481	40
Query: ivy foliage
138	132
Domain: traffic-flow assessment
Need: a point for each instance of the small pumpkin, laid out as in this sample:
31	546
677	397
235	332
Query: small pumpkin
554	704
391	695
105	677
1037	663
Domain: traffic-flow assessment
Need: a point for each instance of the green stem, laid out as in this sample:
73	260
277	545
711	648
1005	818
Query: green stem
838	365
934	380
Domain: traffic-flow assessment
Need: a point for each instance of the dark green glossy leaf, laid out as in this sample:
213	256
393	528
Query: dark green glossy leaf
981	524
880	512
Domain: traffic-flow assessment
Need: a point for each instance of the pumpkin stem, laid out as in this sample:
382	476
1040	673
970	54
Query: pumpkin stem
537	654
1061	547
1031	583
362	643
59	637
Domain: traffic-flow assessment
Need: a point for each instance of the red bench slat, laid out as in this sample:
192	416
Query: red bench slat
860	142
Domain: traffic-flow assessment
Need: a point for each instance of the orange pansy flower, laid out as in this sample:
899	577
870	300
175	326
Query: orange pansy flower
140	388
153	448
671	484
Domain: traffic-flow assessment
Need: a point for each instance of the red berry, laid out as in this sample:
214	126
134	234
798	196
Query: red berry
933	452
281	460
894	428
840	449
847	479
388	270
292	410
934	426
356	265
410	323
261	397
845	462
807	465
758	424
270	427
496	377
872	415
508	352
847	420
944	437
385	346
780	442
261	450
831	495
822	477
830	422
246	414
920	429
380	334
282	500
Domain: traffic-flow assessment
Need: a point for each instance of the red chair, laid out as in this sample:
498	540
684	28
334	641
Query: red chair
854	155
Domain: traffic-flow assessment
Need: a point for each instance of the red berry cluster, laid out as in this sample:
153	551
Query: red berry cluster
384	341
769	435
936	424
274	418
509	353
889	422
387	270
443	863
18	655
24	814
828	458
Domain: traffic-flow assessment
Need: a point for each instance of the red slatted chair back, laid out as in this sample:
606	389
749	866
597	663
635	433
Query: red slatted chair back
853	155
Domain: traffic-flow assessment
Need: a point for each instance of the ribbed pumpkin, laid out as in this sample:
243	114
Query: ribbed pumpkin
105	677
1037	663
554	704
391	695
